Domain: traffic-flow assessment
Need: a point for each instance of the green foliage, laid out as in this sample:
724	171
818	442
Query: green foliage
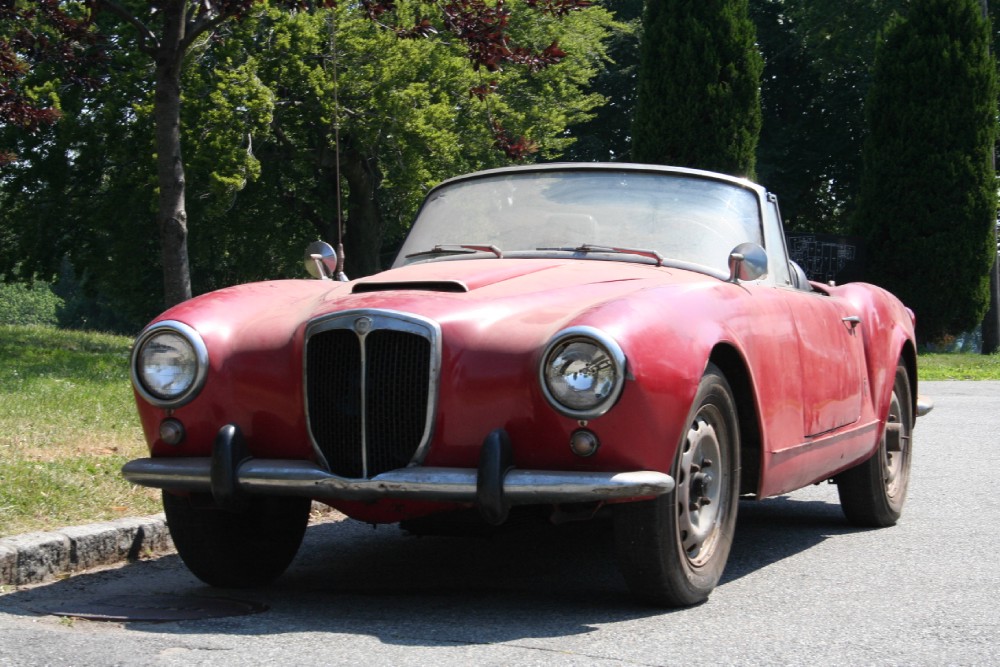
698	99
28	304
404	113
84	309
225	109
63	303
608	135
41	45
258	119
928	200
85	190
816	76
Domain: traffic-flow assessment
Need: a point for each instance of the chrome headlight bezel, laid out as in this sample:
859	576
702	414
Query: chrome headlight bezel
603	346
197	351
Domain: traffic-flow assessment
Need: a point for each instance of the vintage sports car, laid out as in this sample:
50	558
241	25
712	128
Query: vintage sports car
593	339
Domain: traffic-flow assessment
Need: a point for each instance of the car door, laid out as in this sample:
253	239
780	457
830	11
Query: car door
829	342
831	353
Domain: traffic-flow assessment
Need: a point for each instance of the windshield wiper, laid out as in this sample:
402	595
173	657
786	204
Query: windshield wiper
587	247
458	249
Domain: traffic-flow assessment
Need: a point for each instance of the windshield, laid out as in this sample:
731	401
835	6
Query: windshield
683	218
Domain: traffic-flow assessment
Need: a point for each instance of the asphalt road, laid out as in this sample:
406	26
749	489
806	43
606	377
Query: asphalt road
802	588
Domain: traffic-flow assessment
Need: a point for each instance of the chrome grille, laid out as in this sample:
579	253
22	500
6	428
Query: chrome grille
370	387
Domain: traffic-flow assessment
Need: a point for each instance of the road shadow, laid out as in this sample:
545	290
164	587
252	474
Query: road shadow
531	581
773	529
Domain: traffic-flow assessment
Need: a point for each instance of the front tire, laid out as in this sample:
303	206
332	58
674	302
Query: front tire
672	550
872	493
242	549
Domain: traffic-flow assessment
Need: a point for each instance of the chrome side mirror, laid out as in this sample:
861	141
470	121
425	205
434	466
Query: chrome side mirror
747	261
321	260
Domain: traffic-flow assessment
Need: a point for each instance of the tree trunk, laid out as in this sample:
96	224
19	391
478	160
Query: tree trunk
363	233
172	215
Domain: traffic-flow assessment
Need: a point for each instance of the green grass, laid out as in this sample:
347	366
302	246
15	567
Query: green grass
959	366
67	424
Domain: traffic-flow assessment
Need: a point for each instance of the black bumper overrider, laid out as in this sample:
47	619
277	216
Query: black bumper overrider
230	474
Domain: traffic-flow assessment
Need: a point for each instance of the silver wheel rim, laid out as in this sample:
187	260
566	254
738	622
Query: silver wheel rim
896	450
700	486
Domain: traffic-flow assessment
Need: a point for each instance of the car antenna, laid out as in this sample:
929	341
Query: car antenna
339	271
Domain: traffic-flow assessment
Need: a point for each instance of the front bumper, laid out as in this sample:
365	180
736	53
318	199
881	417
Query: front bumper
230	474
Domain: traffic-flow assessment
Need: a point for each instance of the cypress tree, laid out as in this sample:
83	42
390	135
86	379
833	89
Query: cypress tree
698	99
928	190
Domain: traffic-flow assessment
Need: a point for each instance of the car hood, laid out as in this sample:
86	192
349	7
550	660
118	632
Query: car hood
530	294
520	290
470	275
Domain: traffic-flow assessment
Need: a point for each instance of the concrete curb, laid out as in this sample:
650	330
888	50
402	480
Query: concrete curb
39	557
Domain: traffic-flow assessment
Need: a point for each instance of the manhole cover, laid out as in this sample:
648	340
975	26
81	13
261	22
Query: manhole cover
154	608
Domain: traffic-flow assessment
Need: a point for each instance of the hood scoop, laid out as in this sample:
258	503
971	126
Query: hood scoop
410	285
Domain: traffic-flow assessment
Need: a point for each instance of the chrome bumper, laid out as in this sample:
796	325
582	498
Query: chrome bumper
230	473
301	478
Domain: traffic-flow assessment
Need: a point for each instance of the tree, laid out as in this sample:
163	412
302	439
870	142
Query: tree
257	127
84	189
698	102
928	199
816	76
40	43
168	29
991	321
608	136
336	75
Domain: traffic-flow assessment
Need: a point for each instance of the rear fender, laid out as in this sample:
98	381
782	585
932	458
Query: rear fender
888	334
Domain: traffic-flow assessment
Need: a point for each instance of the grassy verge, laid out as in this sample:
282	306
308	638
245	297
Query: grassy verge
959	367
67	424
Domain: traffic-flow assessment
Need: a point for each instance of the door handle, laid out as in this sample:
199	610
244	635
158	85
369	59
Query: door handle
852	320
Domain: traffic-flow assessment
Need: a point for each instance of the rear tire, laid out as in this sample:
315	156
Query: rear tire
872	493
673	550
241	549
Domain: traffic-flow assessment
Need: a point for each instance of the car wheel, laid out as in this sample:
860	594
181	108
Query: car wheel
241	549
872	493
672	550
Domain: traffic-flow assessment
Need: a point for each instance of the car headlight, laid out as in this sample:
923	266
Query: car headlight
582	372
169	364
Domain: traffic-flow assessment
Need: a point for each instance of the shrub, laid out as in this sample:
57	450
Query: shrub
28	304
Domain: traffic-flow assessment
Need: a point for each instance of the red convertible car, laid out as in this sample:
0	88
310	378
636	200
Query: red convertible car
624	339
